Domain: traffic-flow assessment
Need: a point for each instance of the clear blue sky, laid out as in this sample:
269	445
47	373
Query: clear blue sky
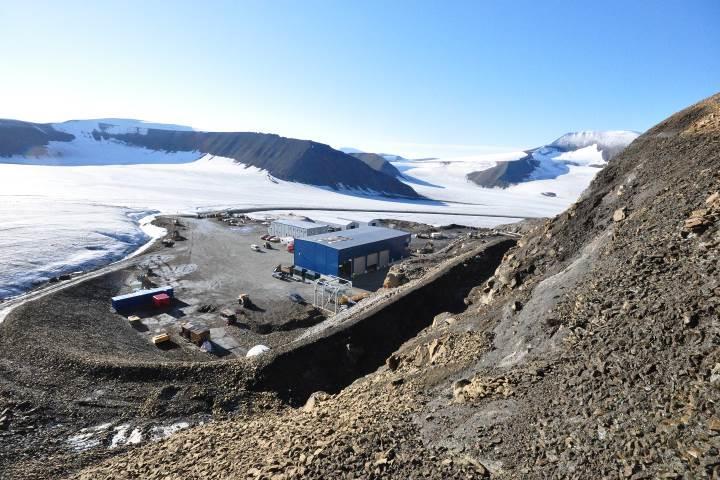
409	77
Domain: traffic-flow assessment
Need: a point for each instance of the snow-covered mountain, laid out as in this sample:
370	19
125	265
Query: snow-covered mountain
610	142
580	149
133	142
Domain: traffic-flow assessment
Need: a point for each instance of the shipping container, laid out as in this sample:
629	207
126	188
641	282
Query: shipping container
139	299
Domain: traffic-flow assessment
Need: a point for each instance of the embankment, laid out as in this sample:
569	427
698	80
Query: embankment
333	359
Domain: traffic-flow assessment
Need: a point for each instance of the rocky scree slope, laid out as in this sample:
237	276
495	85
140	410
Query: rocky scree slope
377	162
603	359
592	353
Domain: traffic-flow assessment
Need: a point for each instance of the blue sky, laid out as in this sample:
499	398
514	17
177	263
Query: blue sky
410	77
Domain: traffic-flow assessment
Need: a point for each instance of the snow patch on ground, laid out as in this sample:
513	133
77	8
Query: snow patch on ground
88	438
160	432
121	435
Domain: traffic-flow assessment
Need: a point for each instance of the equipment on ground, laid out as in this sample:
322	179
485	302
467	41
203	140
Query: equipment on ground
197	334
328	292
244	300
257	350
255	248
161	300
296	298
229	316
161	338
207	346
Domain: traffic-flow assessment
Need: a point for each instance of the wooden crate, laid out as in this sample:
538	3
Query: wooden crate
161	338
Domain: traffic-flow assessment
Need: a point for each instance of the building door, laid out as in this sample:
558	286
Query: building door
372	261
346	269
359	266
384	258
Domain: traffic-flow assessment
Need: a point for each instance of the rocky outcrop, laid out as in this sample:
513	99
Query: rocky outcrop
25	138
505	173
377	162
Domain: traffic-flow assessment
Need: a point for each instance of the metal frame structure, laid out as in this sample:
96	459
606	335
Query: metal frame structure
327	293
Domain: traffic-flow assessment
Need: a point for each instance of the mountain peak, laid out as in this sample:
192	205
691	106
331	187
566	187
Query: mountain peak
602	138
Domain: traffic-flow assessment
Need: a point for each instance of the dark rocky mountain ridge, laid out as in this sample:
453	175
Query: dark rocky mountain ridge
21	138
288	159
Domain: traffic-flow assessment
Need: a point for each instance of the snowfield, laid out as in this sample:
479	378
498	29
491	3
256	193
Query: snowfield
59	219
42	238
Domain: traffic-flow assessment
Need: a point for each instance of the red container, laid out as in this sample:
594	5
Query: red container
161	300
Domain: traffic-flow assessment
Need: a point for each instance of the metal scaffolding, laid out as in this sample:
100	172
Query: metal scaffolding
328	290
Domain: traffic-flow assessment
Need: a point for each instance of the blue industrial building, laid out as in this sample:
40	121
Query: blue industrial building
351	252
139	299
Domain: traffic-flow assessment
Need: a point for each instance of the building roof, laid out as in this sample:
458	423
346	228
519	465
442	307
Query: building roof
141	293
355	237
299	223
338	221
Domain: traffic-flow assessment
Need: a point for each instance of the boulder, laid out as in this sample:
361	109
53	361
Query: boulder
394	279
619	214
393	362
315	400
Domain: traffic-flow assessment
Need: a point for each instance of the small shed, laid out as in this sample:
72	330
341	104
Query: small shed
296	228
161	300
340	223
194	332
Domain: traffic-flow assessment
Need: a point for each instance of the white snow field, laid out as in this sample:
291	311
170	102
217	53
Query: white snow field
60	219
41	238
